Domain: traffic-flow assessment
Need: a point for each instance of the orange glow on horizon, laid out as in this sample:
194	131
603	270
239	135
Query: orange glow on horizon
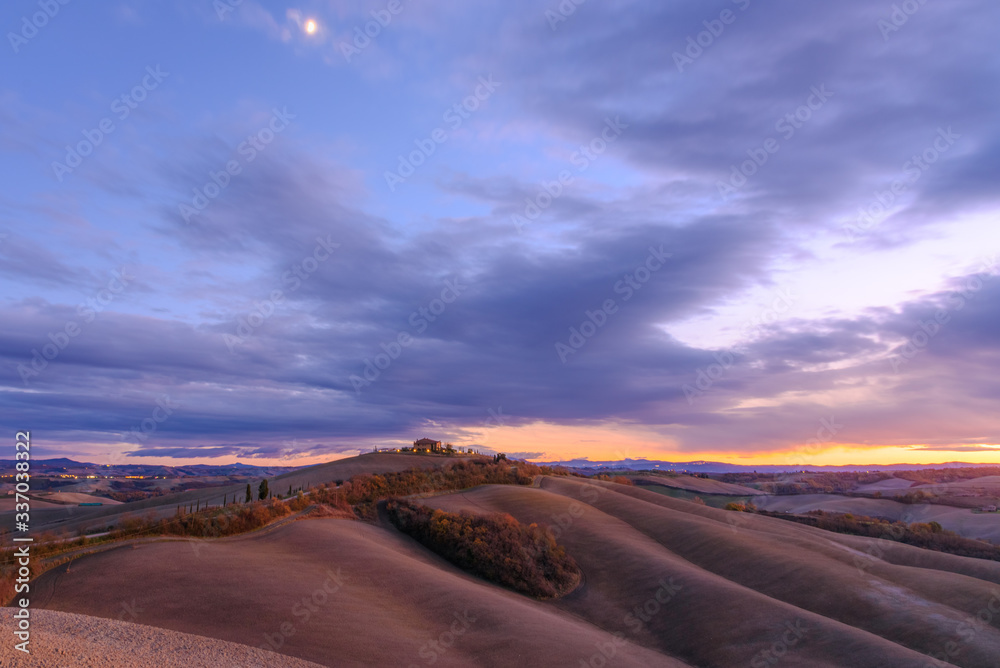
606	442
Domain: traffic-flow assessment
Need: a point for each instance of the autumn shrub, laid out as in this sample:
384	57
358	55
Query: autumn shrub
226	521
931	476
744	477
132	495
620	479
741	506
355	498
929	535
460	475
495	547
914	497
329	495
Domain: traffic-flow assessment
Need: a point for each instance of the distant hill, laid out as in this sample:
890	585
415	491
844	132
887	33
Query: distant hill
280	480
666	583
62	464
588	466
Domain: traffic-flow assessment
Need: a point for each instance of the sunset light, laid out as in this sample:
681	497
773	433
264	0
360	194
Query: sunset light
500	333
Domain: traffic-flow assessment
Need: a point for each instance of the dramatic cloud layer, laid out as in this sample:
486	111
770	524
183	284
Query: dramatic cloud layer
635	228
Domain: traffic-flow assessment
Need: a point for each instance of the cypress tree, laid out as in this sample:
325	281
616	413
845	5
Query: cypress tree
249	494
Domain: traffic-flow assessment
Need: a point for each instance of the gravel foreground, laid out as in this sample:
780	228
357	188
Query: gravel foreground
67	640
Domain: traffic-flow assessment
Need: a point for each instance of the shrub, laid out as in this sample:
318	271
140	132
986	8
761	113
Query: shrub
927	476
133	495
931	535
495	547
740	506
460	475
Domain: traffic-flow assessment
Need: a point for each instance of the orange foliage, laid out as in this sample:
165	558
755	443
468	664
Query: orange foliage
495	547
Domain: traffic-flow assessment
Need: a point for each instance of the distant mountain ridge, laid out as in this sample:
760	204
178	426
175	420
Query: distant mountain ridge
723	467
579	464
41	466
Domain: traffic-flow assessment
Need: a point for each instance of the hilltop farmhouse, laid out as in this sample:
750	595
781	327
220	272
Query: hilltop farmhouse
428	445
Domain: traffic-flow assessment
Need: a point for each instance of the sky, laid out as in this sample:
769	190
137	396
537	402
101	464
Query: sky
741	231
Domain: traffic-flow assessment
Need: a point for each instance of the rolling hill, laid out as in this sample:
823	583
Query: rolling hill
666	582
695	484
72	518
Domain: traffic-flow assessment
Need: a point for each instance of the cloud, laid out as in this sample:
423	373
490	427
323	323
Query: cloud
494	344
187	453
525	455
258	317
